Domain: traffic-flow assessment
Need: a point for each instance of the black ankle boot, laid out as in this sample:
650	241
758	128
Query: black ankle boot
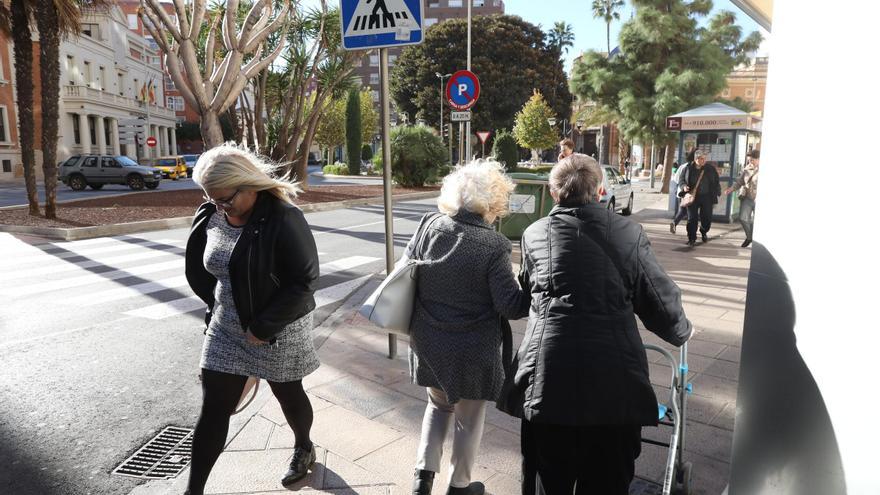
422	482
475	488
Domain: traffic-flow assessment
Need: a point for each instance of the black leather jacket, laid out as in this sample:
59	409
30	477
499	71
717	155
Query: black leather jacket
582	361
274	266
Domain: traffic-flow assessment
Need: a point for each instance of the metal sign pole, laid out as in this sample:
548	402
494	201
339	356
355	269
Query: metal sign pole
468	124
386	180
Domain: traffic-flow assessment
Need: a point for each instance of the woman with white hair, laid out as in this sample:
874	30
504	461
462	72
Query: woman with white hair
464	290
252	259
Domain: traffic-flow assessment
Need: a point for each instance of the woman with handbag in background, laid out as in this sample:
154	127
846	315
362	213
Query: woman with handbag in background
252	259
464	282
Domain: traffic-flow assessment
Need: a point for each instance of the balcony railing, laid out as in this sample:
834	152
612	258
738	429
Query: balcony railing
96	95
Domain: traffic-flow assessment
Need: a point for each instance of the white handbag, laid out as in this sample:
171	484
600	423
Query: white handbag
390	306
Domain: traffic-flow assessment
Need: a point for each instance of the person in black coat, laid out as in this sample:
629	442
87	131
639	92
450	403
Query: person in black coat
582	369
703	182
252	259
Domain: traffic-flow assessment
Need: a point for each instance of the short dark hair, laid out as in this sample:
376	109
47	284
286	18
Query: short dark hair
756	154
567	143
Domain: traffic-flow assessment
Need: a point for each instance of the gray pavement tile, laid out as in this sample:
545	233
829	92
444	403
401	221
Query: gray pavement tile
700	310
254	436
661	374
709	441
732	353
282	438
406	416
409	389
726	417
324	374
364	397
720	336
500	450
502	484
651	464
709	476
247	472
734	316
373	366
697	345
723	369
715	387
704	410
349	434
342	473
502	420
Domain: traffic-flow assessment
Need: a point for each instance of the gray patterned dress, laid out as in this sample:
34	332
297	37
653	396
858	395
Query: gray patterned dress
226	348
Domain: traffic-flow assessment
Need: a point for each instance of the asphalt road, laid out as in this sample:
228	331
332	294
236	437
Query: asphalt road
100	343
14	194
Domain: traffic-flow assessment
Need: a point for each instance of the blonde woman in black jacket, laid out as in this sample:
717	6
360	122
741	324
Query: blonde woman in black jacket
252	259
583	372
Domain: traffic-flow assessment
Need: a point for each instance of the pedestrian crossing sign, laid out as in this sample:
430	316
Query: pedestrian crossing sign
368	24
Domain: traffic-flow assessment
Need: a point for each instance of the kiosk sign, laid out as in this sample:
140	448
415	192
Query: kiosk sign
462	90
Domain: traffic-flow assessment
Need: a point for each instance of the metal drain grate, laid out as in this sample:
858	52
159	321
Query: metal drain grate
163	457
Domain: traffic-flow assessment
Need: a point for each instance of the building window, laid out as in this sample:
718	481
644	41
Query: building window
375	95
374	78
120	82
430	21
4	125
169	83
748	92
134	91
726	93
175	103
102	78
479	3
76	139
455	3
434	5
71	71
93	137
90	30
132	21
87	74
7	166
374	61
392	59
106	132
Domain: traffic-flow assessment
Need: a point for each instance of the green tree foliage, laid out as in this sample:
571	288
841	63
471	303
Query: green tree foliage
532	129
417	155
667	65
366	152
561	37
607	10
505	149
737	102
513	58
331	127
353	132
369	116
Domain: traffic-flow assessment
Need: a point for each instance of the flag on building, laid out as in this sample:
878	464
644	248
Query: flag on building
152	91
144	92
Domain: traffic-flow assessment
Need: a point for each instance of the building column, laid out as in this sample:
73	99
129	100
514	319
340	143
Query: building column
163	140
85	138
114	136
99	135
174	140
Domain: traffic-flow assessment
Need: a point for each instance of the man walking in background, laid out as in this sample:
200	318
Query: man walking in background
702	182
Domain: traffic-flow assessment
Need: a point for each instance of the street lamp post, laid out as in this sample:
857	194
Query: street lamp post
441	77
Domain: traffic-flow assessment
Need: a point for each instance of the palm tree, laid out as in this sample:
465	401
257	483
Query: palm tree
609	11
55	19
561	37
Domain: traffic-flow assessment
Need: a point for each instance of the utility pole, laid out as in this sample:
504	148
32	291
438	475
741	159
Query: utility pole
386	179
468	123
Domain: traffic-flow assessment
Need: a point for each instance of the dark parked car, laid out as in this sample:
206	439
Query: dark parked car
94	171
313	160
190	163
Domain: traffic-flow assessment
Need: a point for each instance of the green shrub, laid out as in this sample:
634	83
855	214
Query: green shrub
544	169
366	152
416	155
335	169
353	132
505	150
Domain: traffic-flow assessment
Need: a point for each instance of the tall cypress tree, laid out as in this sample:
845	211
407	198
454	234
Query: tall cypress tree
667	65
353	132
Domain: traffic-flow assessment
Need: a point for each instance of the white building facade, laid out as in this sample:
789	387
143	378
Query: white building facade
107	75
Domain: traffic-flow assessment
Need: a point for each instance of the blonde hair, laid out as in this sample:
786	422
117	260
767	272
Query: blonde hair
575	180
230	166
479	187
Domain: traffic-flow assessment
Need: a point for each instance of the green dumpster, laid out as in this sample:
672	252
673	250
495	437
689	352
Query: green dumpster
530	201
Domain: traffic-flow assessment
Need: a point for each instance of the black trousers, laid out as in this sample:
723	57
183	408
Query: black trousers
580	460
699	211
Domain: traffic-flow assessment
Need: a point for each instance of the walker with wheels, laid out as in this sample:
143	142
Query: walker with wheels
677	477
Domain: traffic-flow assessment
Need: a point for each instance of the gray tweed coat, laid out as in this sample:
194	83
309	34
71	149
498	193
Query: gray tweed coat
455	341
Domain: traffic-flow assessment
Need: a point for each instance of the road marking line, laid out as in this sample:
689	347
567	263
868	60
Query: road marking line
105	296
81	280
338	292
43	256
341	229
83	265
58	334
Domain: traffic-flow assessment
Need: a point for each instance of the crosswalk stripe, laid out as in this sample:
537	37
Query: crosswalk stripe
175	307
79	281
82	265
334	293
42	256
146	288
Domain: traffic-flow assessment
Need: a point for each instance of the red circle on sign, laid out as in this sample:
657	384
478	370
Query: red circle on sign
151	141
472	99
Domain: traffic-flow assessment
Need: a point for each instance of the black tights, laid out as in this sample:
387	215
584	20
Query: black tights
221	392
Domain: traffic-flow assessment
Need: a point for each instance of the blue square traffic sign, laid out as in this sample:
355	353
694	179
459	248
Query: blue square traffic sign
370	24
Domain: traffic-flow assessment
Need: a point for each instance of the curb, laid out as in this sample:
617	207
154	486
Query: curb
79	233
353	177
103	196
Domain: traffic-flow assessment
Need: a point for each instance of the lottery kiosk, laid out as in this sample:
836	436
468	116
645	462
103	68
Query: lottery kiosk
726	135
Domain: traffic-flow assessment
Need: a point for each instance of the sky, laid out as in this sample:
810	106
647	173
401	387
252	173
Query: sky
589	33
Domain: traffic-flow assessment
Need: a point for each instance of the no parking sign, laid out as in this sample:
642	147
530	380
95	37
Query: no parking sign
462	90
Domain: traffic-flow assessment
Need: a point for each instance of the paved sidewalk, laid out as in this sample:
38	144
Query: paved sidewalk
368	414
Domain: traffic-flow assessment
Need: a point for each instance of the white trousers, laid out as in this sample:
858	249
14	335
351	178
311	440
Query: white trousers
468	416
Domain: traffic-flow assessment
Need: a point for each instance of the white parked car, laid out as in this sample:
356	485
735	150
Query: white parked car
618	191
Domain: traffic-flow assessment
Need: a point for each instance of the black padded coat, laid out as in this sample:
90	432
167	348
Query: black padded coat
582	361
274	266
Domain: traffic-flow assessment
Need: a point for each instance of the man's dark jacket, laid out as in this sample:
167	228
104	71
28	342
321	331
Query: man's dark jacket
273	268
710	185
582	361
